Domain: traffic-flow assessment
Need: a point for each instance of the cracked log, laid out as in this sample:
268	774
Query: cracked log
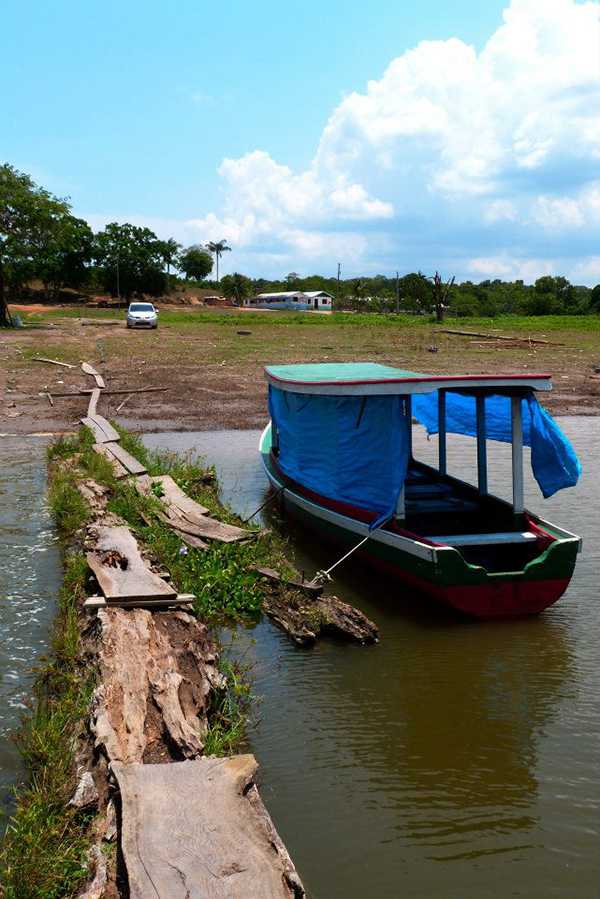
213	839
156	672
305	619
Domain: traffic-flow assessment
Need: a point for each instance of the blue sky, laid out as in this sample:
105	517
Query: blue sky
310	133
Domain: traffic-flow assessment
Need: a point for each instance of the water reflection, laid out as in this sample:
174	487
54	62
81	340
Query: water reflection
29	578
454	759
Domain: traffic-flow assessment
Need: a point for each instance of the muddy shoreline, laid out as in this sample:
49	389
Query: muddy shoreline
213	371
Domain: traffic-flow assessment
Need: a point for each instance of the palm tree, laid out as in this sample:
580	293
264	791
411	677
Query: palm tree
218	249
170	249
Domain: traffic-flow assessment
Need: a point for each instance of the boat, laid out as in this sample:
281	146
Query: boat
338	450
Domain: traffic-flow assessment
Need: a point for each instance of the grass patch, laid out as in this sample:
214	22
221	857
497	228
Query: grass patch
229	711
43	851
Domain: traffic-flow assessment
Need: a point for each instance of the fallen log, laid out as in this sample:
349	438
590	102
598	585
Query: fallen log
305	620
296	583
213	838
155	676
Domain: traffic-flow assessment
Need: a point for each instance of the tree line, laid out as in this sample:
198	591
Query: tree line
41	240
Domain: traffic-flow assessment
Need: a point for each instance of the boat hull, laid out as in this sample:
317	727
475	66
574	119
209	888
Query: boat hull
437	573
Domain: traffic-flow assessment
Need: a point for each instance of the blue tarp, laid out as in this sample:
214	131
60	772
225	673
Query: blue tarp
350	449
553	459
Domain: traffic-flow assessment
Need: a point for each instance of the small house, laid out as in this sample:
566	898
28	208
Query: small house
298	300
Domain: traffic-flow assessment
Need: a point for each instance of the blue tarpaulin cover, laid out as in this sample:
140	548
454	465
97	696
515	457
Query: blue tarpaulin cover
350	449
553	459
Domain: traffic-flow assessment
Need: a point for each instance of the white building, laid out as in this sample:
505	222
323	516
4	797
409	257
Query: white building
292	299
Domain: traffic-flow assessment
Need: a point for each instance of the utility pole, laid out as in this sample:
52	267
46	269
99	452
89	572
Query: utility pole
397	293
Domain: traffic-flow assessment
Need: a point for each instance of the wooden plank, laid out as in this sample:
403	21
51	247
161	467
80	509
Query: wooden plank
100	602
194	542
126	459
485	539
119	470
128	577
208	528
90	370
95	396
198	830
112	436
173	495
482	336
99	435
296	583
52	361
114	392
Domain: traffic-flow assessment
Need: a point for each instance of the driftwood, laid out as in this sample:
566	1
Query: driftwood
305	619
498	337
52	361
156	673
213	840
85	390
90	370
119	568
121	404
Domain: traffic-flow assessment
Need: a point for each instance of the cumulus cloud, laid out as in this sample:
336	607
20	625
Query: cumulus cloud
478	162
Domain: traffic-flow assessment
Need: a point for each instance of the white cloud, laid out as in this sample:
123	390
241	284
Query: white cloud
448	158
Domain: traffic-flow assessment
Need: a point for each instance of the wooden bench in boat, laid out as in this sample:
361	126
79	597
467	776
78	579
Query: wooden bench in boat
485	539
428	504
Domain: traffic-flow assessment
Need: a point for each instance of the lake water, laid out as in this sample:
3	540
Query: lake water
455	759
30	575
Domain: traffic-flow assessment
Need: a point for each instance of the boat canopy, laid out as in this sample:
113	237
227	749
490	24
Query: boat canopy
354	448
372	379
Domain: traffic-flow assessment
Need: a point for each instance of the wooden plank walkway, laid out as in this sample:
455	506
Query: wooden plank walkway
212	838
102	430
126	459
119	470
120	570
90	370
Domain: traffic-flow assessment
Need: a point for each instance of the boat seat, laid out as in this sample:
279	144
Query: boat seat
485	539
425	504
419	490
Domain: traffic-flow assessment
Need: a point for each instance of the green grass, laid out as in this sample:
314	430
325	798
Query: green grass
229	711
43	851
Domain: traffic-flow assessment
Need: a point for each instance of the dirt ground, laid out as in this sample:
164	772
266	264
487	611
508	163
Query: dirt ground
213	368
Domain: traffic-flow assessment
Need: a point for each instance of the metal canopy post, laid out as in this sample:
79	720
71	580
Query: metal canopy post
408	408
482	480
517	454
442	461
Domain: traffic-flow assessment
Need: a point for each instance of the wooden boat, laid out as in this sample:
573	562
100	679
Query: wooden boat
339	449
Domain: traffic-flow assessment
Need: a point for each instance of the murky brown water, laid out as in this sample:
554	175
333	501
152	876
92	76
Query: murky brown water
455	760
30	573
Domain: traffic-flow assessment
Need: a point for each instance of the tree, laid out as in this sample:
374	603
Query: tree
595	299
416	291
292	279
29	218
170	252
236	287
130	260
440	295
64	253
195	263
218	249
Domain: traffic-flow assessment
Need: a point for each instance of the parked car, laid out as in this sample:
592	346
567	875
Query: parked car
142	315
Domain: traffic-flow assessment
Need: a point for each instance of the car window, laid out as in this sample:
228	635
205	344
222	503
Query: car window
141	307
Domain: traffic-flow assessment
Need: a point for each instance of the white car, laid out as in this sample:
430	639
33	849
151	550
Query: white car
142	315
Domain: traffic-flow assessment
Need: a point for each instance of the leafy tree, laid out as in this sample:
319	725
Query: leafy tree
236	287
131	260
195	263
595	298
29	218
64	253
218	249
416	292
